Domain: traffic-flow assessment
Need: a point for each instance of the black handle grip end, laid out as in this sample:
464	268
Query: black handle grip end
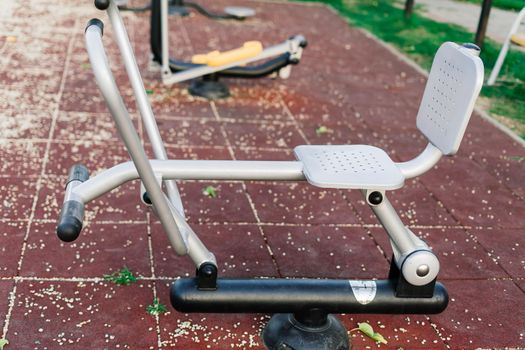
69	229
303	44
70	221
96	22
102	4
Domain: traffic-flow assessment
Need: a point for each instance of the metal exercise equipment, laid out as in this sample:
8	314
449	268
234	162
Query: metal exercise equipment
182	8
205	70
278	60
303	308
512	38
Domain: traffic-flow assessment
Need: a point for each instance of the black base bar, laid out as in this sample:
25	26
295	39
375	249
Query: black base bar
209	87
285	332
300	295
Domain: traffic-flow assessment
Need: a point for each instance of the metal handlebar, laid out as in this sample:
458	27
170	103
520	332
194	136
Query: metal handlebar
111	94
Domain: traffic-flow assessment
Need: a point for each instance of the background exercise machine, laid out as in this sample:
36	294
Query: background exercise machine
278	59
182	8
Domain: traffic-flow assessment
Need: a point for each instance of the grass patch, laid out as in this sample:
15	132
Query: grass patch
156	308
420	37
122	277
515	5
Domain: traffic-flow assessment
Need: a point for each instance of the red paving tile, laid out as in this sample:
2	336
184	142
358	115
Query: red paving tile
478	311
474	196
21	158
17	198
311	251
15	125
92	154
99	127
401	331
263	136
12	234
505	247
80	315
240	251
229	205
186	132
300	203
469	208
5	289
101	249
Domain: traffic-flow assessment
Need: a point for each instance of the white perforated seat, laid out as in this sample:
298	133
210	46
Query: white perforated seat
349	166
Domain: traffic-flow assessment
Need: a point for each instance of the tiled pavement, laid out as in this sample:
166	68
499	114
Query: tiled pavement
470	208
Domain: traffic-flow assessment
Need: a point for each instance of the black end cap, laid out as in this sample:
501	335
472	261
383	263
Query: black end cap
69	229
303	44
471	46
375	198
102	4
95	22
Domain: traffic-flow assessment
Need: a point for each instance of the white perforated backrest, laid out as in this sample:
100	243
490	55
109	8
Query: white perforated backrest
452	88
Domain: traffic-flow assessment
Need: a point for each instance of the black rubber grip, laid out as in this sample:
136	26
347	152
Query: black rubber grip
70	221
71	216
78	172
102	4
95	22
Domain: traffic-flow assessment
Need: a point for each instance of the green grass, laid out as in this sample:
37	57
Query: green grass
122	277
420	37
516	5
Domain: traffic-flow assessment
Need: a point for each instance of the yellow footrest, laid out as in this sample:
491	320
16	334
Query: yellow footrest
518	39
216	58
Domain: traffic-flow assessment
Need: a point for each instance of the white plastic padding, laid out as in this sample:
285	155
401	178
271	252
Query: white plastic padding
349	166
452	88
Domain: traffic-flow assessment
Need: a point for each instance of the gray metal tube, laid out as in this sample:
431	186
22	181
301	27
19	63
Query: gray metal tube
192	170
109	89
422	163
166	71
205	70
395	228
142	99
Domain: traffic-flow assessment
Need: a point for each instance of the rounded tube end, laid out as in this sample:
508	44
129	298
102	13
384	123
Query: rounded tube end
95	22
69	229
102	4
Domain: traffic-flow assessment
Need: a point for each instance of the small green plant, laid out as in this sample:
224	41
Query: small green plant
367	330
123	277
322	130
210	191
3	342
150	91
156	308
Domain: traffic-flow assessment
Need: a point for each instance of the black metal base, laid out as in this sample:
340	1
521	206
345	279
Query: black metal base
285	332
212	89
178	10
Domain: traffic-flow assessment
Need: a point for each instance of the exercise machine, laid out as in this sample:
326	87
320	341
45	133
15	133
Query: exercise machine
278	59
512	38
182	8
303	308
